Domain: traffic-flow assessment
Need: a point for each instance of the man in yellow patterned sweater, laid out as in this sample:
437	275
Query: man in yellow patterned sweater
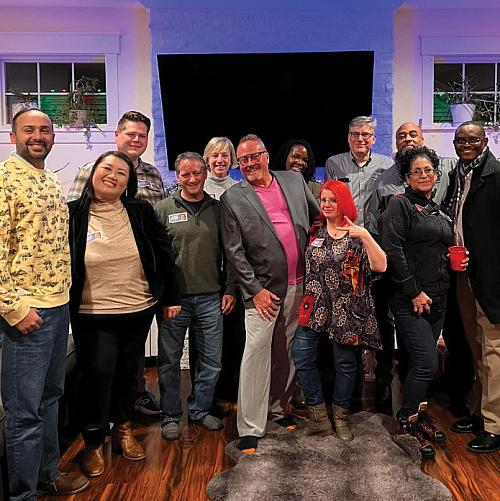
34	292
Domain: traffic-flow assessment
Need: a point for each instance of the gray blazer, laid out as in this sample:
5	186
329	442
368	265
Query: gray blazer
251	242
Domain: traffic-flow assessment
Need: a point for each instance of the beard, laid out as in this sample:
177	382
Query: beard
23	150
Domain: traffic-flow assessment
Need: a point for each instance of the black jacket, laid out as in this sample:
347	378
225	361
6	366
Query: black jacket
416	235
481	228
152	242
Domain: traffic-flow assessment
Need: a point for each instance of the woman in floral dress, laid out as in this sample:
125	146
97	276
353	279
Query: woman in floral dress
340	261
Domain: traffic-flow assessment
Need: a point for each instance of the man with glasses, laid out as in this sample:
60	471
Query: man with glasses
474	201
359	167
131	138
265	222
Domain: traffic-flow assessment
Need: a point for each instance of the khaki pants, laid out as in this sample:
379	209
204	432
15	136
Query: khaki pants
268	351
490	401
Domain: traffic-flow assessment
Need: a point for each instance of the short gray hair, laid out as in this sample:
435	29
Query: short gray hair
188	155
217	143
369	121
251	137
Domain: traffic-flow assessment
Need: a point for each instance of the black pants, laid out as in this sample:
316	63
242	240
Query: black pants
420	334
109	348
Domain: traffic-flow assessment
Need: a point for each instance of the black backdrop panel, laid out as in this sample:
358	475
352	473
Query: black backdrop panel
276	96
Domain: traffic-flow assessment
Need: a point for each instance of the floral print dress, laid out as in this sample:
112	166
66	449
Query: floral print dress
337	285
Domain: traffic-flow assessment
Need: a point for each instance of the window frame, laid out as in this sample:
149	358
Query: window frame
63	48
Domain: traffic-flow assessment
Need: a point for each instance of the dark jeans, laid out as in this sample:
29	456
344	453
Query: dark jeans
32	383
420	335
109	349
305	354
202	315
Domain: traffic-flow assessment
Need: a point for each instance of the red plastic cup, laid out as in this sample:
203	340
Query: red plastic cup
457	255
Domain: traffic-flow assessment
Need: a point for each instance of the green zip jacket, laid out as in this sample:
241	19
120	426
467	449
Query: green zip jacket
196	241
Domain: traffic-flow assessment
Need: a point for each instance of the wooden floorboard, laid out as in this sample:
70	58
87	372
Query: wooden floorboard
180	470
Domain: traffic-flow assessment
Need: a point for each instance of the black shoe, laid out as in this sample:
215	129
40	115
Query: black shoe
469	424
287	422
248	444
485	442
408	426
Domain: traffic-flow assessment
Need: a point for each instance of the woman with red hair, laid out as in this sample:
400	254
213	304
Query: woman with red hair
337	302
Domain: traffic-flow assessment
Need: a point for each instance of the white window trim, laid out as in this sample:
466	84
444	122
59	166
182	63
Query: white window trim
451	50
29	47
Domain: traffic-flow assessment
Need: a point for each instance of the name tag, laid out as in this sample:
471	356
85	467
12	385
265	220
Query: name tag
144	183
317	242
177	218
97	235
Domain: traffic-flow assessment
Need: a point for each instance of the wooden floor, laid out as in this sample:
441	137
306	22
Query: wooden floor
180	470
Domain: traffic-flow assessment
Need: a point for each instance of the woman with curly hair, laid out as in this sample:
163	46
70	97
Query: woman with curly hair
297	155
416	234
337	302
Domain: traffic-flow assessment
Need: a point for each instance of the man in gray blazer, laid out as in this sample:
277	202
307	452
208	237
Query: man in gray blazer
265	222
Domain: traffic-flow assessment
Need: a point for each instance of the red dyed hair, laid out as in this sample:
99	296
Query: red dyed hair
345	202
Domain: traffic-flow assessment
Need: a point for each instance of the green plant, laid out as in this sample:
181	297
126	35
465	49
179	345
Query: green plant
79	108
459	92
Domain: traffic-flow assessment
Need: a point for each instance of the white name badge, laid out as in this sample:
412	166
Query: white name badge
97	235
317	242
144	183
179	217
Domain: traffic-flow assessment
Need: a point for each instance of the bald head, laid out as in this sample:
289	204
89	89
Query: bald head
408	136
33	134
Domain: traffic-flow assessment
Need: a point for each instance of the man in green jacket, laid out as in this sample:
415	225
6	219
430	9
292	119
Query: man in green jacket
191	218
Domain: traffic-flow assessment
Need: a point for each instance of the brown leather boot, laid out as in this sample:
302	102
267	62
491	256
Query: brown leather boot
318	422
124	441
341	422
92	461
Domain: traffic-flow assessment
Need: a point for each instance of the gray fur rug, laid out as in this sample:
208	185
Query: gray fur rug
291	466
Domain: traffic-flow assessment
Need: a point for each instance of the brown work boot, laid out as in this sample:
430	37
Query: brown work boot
123	440
341	422
428	426
317	422
408	426
92	460
64	485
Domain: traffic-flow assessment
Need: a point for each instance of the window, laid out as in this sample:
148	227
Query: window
46	84
476	82
471	60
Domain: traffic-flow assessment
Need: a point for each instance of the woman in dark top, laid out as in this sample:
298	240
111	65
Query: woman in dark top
122	270
297	155
337	303
416	235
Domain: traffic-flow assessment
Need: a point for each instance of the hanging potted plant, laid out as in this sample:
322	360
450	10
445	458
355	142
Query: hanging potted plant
22	101
461	100
79	109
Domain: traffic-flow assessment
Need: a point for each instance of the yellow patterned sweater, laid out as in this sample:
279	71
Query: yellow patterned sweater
34	251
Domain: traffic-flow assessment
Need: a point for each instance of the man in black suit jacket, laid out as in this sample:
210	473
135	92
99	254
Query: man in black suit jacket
474	200
265	223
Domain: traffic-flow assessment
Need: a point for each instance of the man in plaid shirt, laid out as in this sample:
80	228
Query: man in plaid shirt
131	138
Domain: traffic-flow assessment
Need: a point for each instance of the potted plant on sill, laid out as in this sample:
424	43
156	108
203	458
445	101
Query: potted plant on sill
23	101
79	109
461	100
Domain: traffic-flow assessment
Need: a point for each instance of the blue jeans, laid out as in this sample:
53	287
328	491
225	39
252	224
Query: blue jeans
305	354
202	314
32	383
420	335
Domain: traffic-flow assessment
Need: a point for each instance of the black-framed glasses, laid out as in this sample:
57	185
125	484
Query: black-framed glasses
470	140
254	157
429	171
363	135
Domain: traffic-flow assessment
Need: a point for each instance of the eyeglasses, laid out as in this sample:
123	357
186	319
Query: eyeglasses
364	135
418	172
471	140
254	157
